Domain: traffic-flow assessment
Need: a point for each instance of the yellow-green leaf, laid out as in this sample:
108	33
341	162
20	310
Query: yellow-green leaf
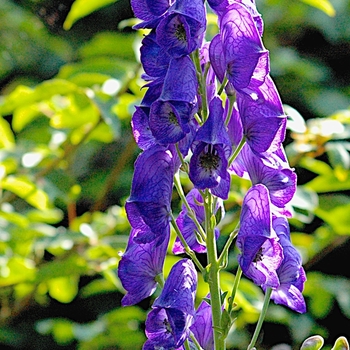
7	139
82	8
64	289
323	5
27	190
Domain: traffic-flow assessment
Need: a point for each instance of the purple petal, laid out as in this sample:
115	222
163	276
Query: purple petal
255	215
139	266
180	83
291	274
208	165
180	288
246	58
167	328
165	123
155	61
202	328
140	128
262	268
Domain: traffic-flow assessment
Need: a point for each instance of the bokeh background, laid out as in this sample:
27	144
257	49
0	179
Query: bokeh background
69	80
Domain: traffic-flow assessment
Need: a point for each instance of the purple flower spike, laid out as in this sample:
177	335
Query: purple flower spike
212	148
188	227
291	274
168	324
148	206
139	266
246	58
261	253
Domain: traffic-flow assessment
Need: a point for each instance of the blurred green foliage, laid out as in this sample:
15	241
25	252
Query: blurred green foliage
66	163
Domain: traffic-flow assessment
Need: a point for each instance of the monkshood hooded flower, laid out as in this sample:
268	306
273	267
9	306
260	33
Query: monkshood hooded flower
211	150
148	207
263	119
181	31
168	324
139	266
220	7
246	61
290	273
261	254
150	11
188	227
171	115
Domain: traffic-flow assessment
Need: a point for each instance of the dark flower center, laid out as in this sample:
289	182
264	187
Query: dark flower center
167	326
180	32
172	119
209	160
259	255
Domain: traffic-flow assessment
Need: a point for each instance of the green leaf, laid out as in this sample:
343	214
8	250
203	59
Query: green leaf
73	265
27	190
323	5
338	218
341	344
82	8
330	183
7	139
313	343
63	289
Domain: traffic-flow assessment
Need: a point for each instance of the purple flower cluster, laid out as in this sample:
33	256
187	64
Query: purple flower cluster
173	123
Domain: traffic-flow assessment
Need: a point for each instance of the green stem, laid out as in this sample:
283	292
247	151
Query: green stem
190	212
234	289
222	86
213	275
228	243
195	342
237	150
201	83
232	100
261	319
188	250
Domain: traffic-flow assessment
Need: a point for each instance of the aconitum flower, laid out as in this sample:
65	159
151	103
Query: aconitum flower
148	207
290	273
168	324
139	267
181	31
246	60
261	254
187	226
211	150
150	11
171	115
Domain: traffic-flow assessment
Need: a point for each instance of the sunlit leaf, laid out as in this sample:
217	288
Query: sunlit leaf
323	5
82	8
329	183
7	139
26	190
313	343
341	344
64	289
